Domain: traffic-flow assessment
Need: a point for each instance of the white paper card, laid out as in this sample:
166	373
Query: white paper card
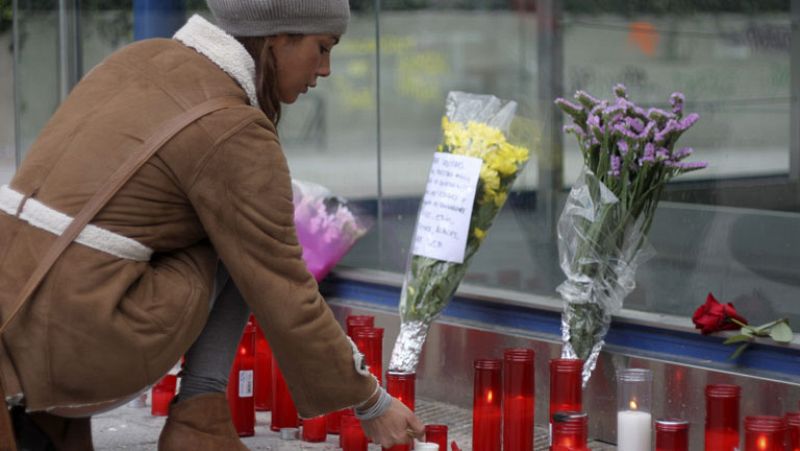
245	383
443	223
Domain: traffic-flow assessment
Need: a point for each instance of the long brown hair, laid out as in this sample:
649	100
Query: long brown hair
266	75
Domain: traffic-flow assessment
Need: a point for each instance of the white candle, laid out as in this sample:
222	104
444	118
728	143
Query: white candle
426	446
633	430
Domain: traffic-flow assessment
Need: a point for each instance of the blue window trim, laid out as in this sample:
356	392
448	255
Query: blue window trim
635	339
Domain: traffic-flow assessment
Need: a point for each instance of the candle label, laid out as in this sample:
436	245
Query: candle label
245	383
443	223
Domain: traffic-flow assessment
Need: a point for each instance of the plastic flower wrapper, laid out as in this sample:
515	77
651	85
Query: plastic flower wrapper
326	225
469	181
629	155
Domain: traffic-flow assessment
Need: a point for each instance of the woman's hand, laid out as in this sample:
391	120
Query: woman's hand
396	426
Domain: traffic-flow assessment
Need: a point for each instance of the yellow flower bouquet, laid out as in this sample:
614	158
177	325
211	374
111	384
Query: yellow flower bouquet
469	181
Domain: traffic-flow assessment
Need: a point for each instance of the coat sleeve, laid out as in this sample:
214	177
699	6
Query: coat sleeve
243	197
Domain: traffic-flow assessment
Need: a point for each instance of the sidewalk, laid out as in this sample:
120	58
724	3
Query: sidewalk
133	428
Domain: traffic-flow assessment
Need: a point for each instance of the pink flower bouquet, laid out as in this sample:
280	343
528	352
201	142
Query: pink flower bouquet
327	227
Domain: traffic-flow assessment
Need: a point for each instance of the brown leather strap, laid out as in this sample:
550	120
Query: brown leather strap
107	191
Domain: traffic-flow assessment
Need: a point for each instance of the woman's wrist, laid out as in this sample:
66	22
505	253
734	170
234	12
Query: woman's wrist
373	398
376	406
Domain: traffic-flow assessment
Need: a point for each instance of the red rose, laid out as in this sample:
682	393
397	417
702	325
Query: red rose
713	317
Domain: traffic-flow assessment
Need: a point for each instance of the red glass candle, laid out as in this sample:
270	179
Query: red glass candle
162	394
315	429
570	431
518	399
333	421
765	433
284	412
672	435
369	341
354	321
263	373
352	436
437	433
402	387
240	384
793	422
565	386
722	417
486	401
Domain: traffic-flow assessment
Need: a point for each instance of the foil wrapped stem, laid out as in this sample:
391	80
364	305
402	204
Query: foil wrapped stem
583	329
408	347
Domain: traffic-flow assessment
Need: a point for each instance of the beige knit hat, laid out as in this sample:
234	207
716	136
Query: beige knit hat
271	17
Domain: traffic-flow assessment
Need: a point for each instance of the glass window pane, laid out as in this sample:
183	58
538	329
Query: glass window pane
427	50
7	158
733	64
37	84
329	135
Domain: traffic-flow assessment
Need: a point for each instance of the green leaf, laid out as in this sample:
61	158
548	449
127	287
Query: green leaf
739	351
738	339
748	331
781	332
763	329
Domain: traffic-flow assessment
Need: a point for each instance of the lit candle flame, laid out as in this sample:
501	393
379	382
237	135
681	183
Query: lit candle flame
633	405
762	443
489	396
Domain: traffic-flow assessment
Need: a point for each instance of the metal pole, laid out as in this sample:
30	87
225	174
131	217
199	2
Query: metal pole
378	124
15	75
157	18
794	90
550	57
70	64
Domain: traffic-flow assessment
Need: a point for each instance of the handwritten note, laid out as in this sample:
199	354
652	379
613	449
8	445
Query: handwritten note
443	223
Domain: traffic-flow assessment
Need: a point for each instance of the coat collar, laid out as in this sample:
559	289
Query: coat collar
223	50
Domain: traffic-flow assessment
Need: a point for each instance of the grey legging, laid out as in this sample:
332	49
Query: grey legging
209	360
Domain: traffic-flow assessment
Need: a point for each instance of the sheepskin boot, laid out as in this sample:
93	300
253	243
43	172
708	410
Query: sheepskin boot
200	423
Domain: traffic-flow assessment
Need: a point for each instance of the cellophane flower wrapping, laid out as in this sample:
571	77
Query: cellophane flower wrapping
327	226
476	127
629	155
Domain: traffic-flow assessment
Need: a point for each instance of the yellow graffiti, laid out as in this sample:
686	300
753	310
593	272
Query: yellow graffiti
420	75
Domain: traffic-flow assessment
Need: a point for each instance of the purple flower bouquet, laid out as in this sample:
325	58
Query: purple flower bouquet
629	155
326	227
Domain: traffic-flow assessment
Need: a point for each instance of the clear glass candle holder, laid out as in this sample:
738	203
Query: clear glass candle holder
722	417
634	403
672	435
